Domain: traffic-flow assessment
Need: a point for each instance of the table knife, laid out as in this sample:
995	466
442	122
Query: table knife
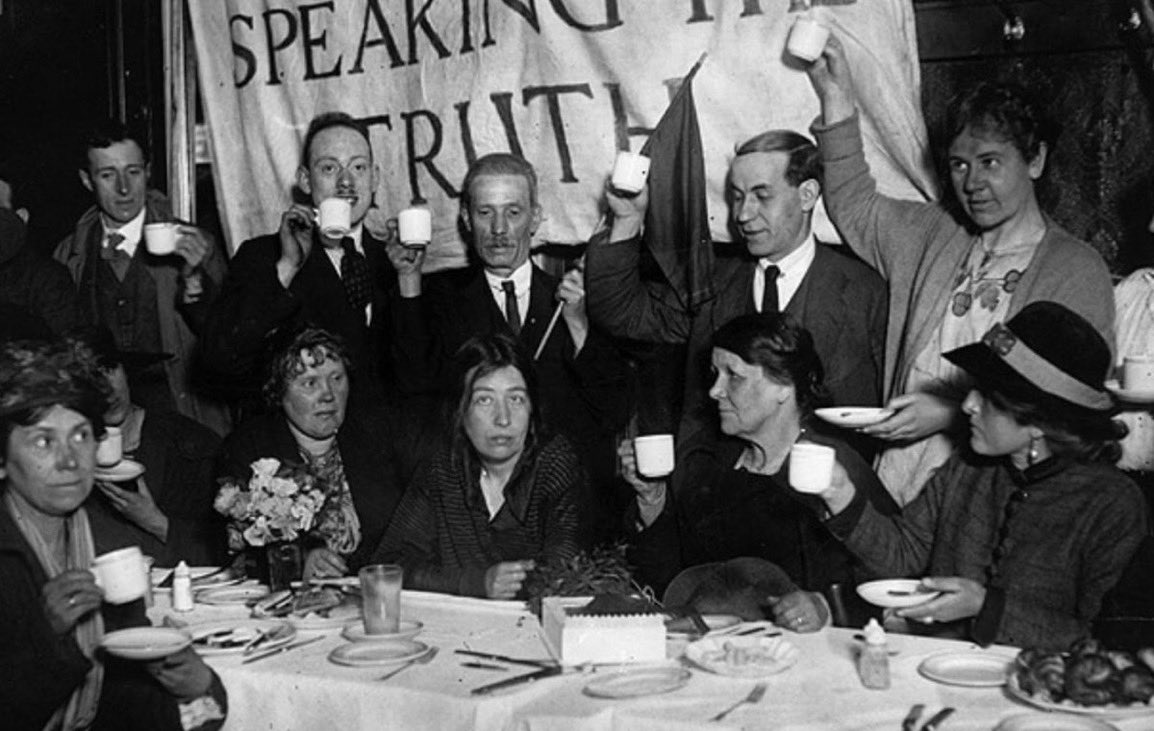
506	658
937	718
517	680
285	648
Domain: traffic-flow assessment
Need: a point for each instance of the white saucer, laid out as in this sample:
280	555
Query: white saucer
122	471
968	669
1053	722
232	596
355	632
638	683
145	643
1136	396
882	593
854	417
366	654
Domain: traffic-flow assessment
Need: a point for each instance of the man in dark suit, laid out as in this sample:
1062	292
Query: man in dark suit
773	185
582	378
300	275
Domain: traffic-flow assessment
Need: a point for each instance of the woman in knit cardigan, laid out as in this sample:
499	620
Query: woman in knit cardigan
499	497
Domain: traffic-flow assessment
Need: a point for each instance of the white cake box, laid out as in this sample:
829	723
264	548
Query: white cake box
574	639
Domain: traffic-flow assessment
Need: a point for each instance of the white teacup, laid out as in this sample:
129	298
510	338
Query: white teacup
810	467
121	574
654	455
807	39
1138	373
110	449
334	217
160	238
630	171
415	227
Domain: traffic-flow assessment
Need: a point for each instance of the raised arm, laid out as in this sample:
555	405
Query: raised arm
618	300
886	232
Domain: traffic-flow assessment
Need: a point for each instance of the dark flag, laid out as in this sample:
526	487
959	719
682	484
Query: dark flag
677	222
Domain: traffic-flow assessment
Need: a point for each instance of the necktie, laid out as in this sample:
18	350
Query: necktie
769	294
355	275
512	313
109	252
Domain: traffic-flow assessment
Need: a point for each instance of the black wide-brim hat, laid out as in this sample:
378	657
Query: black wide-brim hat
739	586
1046	355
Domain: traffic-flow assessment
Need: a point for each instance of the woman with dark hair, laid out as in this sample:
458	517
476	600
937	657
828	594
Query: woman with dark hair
730	493
307	385
53	397
500	496
1023	533
953	270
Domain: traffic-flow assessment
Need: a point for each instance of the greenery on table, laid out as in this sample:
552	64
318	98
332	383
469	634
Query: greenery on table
602	572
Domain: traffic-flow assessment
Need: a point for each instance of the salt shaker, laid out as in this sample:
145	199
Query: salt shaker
182	588
874	662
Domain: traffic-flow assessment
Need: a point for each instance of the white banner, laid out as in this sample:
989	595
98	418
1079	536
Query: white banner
564	82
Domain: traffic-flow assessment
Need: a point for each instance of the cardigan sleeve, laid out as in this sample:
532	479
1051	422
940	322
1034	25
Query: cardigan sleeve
898	544
887	233
412	540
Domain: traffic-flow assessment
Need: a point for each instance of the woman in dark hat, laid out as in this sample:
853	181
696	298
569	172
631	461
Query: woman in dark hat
1024	532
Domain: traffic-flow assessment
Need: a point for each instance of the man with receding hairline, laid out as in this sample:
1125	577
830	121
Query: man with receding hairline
581	375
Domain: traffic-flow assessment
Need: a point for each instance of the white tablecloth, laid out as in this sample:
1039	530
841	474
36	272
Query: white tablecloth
302	689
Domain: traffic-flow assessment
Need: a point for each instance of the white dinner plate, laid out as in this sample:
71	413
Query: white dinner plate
145	643
970	669
1053	722
1108	711
365	654
230	636
638	683
355	632
684	627
122	471
334	618
854	417
743	657
895	593
1132	396
232	596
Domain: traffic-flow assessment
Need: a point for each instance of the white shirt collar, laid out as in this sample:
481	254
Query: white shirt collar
792	268
521	277
131	231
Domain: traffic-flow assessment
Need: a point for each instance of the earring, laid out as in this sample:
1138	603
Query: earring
1032	455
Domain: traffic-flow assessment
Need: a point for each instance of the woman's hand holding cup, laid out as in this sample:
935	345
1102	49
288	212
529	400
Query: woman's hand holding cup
68	597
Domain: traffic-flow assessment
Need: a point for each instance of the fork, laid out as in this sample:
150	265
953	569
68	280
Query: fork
422	660
753	697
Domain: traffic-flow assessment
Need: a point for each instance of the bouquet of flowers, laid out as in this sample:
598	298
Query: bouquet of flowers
280	502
